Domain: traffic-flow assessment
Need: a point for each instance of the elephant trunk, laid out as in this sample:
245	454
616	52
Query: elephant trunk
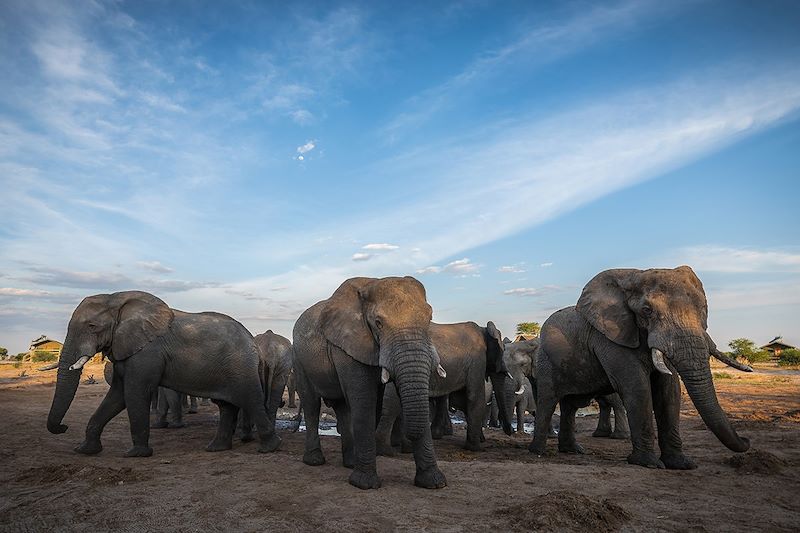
66	386
498	386
411	356
693	367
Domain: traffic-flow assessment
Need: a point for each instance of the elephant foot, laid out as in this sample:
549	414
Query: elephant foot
571	448
437	433
247	437
365	480
139	451
269	444
176	425
314	457
494	424
385	450
537	447
646	459
430	478
448	431
89	447
601	433
483	437
192	411
678	462
620	435
472	446
219	445
159	424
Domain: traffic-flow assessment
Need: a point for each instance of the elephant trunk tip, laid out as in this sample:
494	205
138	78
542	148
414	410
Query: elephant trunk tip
742	446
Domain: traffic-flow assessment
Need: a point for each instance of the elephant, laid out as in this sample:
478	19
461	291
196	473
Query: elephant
634	332
203	354
291	389
520	360
169	401
275	353
346	348
471	355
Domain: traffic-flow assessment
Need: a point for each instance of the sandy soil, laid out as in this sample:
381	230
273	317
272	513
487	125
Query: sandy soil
46	486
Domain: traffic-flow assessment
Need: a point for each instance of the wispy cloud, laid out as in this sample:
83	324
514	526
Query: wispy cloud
154	266
512	269
716	258
533	291
459	267
546	265
360	256
304	149
380	247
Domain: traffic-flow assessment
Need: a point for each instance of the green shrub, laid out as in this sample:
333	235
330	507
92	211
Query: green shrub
43	357
789	357
721	375
746	349
761	356
20	356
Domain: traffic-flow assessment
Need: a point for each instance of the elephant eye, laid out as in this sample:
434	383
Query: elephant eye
379	323
647	311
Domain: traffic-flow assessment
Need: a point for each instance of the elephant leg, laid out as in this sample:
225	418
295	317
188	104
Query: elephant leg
566	434
245	427
111	406
621	429
362	398
494	413
310	404
175	402
520	408
389	413
546	402
228	416
476	413
137	401
192	405
345	427
162	407
438	407
667	408
638	401
428	474
604	420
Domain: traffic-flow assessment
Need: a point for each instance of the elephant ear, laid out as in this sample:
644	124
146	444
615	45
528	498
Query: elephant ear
494	349
141	318
344	323
603	304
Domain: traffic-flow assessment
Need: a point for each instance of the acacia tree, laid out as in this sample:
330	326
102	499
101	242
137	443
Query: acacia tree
528	328
746	349
3	353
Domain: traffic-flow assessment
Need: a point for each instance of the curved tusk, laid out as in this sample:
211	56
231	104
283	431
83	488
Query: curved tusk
51	366
509	375
521	390
658	361
441	371
728	361
384	376
80	362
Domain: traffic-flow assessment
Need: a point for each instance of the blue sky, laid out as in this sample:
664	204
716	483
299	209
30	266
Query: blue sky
248	157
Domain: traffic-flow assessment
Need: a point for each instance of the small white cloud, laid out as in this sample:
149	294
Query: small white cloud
429	270
307	147
154	266
359	256
514	269
302	116
381	247
533	292
461	266
31	293
300	158
545	265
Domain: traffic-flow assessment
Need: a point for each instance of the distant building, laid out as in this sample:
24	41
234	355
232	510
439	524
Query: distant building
525	337
43	344
776	346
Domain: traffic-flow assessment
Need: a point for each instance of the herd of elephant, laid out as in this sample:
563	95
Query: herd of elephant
372	354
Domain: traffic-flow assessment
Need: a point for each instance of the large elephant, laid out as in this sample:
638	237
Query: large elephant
346	348
520	361
471	355
275	352
633	331
203	354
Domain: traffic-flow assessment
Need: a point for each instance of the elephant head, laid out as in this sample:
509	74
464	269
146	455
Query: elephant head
519	359
384	322
119	325
666	311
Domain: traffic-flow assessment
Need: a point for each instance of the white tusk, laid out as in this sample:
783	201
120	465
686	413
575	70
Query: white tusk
384	376
440	370
658	361
521	390
509	375
80	362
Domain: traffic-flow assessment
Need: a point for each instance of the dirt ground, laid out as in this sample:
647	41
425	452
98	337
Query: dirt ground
46	486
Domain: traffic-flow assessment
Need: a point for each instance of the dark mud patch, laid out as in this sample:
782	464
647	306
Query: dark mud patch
564	510
92	474
756	462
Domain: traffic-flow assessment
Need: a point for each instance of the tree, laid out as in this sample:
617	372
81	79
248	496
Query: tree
528	328
746	349
789	357
3	353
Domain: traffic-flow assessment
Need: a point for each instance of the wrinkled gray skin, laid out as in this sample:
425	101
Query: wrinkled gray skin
470	355
203	354
520	360
275	353
341	346
606	342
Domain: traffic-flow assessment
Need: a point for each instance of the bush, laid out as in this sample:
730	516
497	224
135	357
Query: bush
746	349
721	375
20	356
43	357
760	356
789	357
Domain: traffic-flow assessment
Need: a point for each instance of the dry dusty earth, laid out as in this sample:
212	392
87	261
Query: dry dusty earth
48	487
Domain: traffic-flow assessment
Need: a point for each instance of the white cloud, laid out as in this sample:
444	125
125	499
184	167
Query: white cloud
302	117
33	293
429	270
545	265
716	258
307	147
533	292
515	269
380	247
459	267
154	266
359	256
